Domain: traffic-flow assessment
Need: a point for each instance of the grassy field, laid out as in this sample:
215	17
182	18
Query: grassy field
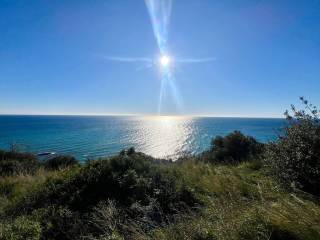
241	202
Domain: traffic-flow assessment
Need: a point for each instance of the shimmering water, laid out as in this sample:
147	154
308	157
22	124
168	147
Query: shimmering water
96	136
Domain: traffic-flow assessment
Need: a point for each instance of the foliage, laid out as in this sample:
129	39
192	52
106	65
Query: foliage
243	203
135	197
143	192
295	157
17	163
131	151
106	220
60	162
13	163
20	229
234	148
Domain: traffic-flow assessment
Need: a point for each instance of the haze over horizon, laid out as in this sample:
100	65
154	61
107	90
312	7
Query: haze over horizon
244	58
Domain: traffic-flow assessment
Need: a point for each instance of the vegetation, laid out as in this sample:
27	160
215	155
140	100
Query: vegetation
295	158
60	162
234	148
240	189
13	163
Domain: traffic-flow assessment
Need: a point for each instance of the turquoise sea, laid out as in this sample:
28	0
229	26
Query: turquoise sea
97	136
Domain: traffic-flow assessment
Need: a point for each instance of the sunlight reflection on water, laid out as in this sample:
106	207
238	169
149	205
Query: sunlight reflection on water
164	136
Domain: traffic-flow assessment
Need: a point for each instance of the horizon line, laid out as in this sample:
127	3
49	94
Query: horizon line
138	115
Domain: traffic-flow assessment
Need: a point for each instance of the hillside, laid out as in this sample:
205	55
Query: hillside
133	196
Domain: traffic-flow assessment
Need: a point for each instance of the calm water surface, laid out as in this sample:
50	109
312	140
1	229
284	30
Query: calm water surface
96	136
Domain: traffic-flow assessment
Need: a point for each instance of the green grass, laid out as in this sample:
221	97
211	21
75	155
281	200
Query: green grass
243	203
134	197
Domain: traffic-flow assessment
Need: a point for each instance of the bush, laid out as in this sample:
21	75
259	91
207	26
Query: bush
295	157
60	162
58	223
143	192
20	229
131	151
234	148
13	163
106	221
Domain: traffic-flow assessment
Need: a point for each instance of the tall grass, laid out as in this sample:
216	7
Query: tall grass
243	203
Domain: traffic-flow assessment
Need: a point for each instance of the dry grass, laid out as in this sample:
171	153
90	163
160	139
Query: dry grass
243	203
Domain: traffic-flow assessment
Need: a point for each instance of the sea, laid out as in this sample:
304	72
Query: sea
91	137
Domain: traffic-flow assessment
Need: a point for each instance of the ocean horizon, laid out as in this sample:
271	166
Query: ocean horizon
94	136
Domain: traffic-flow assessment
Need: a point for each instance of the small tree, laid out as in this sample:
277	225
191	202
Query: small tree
131	151
295	157
234	148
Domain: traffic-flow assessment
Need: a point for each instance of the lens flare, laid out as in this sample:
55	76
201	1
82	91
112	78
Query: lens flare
160	13
164	61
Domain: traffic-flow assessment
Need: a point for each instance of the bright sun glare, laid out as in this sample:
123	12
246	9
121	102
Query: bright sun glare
165	61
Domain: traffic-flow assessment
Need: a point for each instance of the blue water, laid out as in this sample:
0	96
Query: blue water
97	136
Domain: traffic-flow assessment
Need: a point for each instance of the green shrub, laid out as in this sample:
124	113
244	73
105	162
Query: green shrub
59	222
60	162
131	151
106	222
144	193
295	157
234	148
13	163
20	229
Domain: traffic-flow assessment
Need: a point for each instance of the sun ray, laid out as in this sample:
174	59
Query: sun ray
196	60
129	59
160	13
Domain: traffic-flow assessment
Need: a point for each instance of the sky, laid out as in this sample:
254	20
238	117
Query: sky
59	57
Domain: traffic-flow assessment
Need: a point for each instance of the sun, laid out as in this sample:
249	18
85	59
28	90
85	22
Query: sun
164	61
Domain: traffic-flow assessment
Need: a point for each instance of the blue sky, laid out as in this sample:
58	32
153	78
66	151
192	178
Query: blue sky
53	57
